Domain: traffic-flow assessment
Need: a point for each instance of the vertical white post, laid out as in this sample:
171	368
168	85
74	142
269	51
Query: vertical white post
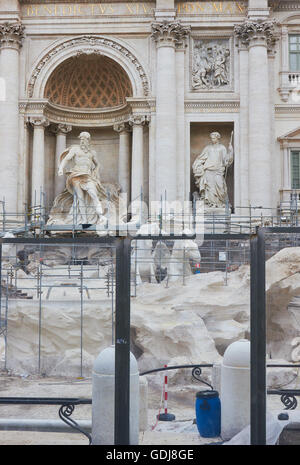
235	389
103	417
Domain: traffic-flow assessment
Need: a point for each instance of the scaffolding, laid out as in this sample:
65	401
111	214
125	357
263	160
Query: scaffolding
33	220
40	277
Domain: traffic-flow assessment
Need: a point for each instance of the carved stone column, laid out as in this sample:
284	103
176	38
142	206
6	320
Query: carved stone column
137	159
11	35
61	132
285	84
244	128
123	130
38	159
182	158
285	48
259	36
286	177
166	34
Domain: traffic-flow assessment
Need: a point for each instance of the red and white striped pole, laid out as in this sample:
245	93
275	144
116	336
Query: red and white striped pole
166	416
166	393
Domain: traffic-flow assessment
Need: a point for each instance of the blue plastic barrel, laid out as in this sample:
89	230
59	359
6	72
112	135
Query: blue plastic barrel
208	413
197	268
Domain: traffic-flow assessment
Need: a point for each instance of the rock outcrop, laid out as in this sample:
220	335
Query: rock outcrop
190	323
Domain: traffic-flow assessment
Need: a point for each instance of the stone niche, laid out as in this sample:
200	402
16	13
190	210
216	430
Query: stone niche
200	138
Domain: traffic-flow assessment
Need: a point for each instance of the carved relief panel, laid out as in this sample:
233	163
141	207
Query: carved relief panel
211	64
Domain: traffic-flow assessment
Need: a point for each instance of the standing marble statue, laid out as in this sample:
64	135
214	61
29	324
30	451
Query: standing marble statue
210	169
84	201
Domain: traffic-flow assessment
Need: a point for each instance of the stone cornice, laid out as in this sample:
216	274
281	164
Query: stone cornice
206	106
282	109
75	117
257	31
33	2
141	105
278	5
11	34
166	33
135	107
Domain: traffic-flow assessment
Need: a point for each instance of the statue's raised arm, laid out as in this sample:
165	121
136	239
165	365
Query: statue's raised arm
66	156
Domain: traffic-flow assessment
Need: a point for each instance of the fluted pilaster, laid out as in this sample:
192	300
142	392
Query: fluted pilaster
167	35
11	36
258	37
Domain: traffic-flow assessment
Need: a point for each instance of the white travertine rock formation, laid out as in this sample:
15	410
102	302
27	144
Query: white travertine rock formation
282	285
189	323
157	336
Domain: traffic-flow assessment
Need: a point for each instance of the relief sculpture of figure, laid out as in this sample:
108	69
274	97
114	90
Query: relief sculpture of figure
221	69
200	69
85	197
209	171
211	65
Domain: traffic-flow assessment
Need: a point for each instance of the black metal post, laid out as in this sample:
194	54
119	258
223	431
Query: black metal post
122	342
258	340
0	283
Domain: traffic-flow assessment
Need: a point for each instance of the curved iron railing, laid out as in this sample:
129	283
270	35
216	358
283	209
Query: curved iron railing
196	372
67	407
287	396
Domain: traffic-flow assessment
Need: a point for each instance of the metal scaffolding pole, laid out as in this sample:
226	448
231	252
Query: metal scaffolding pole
258	340
122	342
122	338
0	283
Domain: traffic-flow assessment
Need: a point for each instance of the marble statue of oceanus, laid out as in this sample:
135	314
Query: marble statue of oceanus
85	199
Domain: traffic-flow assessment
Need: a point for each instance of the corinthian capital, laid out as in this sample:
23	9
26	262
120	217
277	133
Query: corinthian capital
11	35
168	33
39	121
64	128
61	128
122	128
137	120
257	32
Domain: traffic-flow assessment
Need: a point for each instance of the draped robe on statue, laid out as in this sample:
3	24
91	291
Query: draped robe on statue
66	208
209	169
